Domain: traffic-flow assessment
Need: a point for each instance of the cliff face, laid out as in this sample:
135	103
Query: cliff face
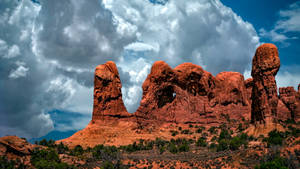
188	94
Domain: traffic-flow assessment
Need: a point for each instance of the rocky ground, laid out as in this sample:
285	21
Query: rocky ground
225	146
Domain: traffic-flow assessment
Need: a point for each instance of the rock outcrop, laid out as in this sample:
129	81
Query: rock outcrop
291	100
265	66
14	147
187	95
108	101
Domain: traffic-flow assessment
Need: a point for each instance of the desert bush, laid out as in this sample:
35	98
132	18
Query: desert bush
107	153
294	131
212	130
172	148
61	148
224	134
201	142
47	159
184	147
240	127
174	132
199	130
222	145
48	143
5	163
274	138
276	163
77	151
186	131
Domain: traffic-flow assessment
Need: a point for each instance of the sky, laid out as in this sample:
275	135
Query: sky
49	50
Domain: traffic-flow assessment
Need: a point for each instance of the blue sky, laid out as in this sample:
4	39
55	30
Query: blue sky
49	49
264	14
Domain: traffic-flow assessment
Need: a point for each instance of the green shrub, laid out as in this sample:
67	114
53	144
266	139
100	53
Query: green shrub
183	147
48	143
162	150
77	151
212	146
294	131
172	148
224	134
47	159
275	138
235	143
186	131
201	142
214	138
61	148
190	126
199	130
108	153
212	130
240	127
174	132
277	163
5	163
223	145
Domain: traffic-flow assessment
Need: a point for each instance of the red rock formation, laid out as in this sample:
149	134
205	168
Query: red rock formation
291	100
14	148
107	93
188	94
265	66
248	85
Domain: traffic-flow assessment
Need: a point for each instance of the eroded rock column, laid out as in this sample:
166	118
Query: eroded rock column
107	92
265	66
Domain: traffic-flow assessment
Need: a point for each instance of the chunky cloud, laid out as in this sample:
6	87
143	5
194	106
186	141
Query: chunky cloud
48	51
203	32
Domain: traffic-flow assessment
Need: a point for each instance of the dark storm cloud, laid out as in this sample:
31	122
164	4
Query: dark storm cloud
48	52
78	33
21	76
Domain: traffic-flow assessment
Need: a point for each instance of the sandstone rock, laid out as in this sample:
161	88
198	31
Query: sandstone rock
184	95
291	100
107	93
14	147
189	94
249	85
265	66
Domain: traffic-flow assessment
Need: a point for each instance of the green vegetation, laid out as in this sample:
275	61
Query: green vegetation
186	131
174	132
199	130
226	142
275	138
276	163
201	142
5	163
143	145
212	130
47	143
107	153
77	151
47	159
